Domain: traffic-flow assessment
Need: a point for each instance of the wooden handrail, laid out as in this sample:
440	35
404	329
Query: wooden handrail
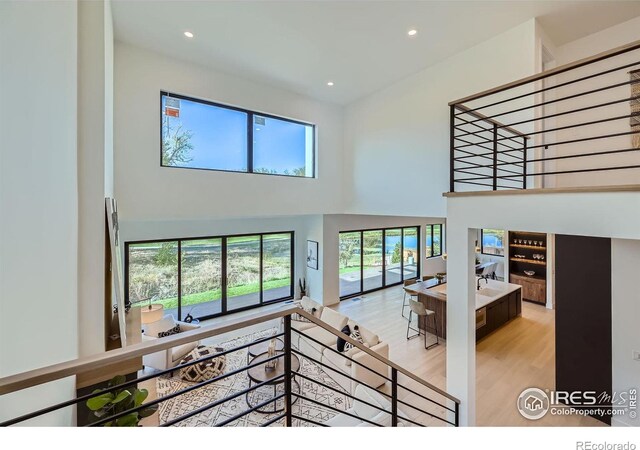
66	369
548	73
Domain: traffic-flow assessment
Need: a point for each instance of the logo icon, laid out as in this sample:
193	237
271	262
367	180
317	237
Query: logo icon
533	403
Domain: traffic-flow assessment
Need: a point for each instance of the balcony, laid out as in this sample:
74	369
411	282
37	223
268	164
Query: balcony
574	127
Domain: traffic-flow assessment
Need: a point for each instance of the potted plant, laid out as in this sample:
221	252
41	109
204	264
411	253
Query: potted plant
109	402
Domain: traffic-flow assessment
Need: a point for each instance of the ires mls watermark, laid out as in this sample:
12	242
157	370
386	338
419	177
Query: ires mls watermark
534	403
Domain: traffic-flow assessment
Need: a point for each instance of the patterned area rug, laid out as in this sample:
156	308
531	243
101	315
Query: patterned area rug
198	398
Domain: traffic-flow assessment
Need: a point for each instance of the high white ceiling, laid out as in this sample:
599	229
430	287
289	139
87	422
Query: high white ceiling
362	46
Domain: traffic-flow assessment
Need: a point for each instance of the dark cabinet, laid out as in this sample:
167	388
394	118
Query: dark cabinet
500	312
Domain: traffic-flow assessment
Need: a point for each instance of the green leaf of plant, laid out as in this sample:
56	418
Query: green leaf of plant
148	411
100	401
121	396
130	420
139	396
118	379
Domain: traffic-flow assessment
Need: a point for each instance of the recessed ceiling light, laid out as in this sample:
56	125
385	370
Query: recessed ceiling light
412	32
188	34
330	83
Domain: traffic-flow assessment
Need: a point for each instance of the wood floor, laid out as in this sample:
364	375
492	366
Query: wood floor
517	356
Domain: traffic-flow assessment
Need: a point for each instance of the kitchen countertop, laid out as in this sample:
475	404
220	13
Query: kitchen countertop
488	293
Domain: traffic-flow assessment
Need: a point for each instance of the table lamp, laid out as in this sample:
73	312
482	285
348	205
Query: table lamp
152	313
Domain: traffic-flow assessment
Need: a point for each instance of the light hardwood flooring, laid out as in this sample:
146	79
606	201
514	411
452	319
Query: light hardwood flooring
519	355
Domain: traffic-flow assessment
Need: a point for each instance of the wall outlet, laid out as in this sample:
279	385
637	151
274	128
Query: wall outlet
636	355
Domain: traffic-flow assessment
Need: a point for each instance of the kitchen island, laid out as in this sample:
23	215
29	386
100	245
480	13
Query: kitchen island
497	303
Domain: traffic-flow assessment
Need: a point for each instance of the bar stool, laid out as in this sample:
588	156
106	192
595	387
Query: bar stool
420	310
404	299
428	277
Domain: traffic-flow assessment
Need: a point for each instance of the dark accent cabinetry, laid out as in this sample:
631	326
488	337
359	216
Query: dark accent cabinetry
583	316
499	312
528	252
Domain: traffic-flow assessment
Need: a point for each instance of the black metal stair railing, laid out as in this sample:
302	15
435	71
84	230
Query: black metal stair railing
559	128
289	416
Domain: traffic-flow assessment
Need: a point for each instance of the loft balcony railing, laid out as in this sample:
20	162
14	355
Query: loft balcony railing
576	125
424	404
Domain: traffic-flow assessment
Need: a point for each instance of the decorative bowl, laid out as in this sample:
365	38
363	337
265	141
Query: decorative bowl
529	273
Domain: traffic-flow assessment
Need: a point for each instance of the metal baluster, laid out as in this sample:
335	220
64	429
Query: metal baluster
394	397
287	370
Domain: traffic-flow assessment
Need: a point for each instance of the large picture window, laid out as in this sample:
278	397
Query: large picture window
208	277
198	134
492	241
373	259
434	240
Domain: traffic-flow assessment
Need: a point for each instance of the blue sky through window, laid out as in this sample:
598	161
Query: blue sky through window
219	140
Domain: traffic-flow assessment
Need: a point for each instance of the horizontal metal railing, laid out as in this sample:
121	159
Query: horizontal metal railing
19	382
558	128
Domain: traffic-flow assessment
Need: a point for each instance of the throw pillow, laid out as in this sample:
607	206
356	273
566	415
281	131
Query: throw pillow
340	343
172	331
356	336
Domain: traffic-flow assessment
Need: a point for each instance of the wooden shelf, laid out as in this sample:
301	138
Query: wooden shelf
529	261
535	247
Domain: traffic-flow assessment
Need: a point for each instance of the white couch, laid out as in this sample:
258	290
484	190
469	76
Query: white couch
367	412
338	362
166	359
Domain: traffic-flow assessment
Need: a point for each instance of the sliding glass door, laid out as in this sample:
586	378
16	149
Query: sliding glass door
243	272
201	278
276	266
373	255
410	253
208	277
373	259
350	263
393	256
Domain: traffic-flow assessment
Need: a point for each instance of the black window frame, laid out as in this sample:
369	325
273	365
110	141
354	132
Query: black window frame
384	264
482	243
250	122
429	232
224	273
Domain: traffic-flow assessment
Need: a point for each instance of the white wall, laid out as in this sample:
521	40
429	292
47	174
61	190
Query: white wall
604	40
38	198
625	311
585	214
146	191
397	140
335	223
95	165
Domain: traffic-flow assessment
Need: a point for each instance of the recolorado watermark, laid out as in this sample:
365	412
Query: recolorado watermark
535	403
589	445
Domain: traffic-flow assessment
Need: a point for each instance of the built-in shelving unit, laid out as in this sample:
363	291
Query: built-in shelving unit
528	253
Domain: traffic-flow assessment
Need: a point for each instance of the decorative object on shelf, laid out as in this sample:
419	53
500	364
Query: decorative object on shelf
271	352
440	276
444	256
109	402
302	283
312	255
529	273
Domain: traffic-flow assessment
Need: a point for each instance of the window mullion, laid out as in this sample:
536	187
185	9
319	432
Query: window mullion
250	142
